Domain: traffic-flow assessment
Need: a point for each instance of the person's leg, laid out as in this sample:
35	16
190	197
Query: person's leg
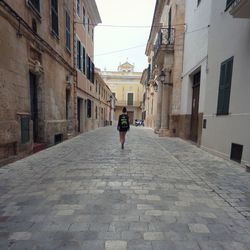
122	138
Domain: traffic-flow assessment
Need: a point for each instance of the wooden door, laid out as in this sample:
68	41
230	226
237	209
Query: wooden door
195	108
131	117
34	106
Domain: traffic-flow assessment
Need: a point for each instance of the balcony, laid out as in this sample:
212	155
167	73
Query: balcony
124	103
239	8
164	45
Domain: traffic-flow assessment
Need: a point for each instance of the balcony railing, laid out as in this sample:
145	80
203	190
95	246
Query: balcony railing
165	37
125	103
239	8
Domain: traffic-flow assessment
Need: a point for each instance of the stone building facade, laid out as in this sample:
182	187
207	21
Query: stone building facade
49	87
86	18
36	75
126	88
165	54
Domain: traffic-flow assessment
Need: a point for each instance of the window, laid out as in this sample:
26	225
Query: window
225	87
96	86
130	98
78	7
35	4
68	31
79	55
83	60
88	108
83	17
54	15
229	3
96	112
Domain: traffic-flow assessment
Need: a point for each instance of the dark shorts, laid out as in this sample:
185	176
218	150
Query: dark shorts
123	129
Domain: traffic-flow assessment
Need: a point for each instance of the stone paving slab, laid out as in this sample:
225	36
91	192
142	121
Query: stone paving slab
157	194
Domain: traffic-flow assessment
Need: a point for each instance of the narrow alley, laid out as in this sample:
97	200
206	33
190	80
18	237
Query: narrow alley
157	194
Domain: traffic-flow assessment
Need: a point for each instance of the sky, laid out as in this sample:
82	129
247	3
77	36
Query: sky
111	39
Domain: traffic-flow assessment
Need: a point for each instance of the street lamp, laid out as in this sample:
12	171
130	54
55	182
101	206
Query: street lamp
162	77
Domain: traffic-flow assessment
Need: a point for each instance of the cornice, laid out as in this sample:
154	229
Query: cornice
93	10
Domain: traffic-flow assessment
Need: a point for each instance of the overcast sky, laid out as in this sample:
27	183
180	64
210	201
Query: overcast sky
109	39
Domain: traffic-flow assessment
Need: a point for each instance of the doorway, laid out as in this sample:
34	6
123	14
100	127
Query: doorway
79	114
131	117
34	105
195	107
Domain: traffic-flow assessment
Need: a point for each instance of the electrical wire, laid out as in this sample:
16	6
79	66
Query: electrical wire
128	26
121	50
139	46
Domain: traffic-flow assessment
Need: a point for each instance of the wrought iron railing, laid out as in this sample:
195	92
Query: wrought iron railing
126	103
232	3
165	37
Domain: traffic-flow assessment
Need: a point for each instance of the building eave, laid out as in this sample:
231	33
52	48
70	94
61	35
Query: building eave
94	13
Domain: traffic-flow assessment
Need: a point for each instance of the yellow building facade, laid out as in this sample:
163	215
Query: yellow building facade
125	86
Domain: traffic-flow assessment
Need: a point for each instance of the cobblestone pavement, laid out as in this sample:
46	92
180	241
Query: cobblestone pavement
156	194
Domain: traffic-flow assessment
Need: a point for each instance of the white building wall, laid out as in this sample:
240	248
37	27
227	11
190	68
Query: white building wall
197	20
228	37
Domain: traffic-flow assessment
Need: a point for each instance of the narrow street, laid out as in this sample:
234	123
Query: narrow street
156	194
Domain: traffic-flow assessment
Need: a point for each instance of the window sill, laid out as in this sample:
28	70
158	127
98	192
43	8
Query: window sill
224	114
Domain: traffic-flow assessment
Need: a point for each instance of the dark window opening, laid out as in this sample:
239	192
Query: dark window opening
54	15
89	108
58	138
205	123
236	152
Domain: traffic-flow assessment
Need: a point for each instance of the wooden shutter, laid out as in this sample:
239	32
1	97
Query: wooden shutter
79	63
83	60
225	87
130	98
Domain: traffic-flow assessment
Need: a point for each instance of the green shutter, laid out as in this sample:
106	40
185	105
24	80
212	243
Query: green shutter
225	87
227	90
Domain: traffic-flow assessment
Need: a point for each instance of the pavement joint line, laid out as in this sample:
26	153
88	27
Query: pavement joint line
182	166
